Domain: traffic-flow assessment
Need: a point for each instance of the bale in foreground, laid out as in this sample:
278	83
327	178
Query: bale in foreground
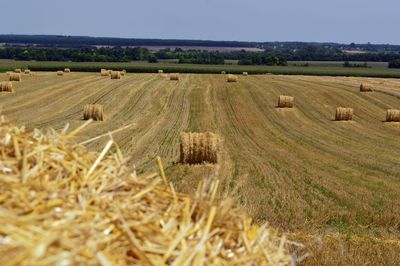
93	111
365	88
198	148
63	205
344	114
232	78
285	101
6	86
174	76
393	115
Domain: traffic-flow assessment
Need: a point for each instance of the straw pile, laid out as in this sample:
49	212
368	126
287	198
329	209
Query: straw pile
60	73
365	88
232	78
17	70
285	101
174	76
15	77
67	70
27	71
115	75
104	73
393	115
245	73
344	114
198	148
62	205
6	86
93	111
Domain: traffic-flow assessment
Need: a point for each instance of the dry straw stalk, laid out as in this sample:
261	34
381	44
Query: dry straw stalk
6	86
93	111
232	78
15	77
63	205
393	115
344	114
365	88
198	148
285	101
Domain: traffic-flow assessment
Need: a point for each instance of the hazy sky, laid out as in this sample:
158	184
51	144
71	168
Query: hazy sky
346	21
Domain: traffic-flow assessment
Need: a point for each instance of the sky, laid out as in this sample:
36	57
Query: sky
343	21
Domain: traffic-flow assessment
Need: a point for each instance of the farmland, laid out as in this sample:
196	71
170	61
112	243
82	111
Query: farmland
296	168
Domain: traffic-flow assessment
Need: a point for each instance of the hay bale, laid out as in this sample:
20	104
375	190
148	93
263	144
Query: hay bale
67	70
160	71
27	71
60	73
393	115
344	114
223	72
123	72
115	75
6	86
285	101
365	88
245	73
232	78
65	205
93	111
104	73
198	148
174	76
17	70
15	77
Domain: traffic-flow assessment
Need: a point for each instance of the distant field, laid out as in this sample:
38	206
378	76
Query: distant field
315	68
299	170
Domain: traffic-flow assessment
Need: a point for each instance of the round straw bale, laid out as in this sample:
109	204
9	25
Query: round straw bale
123	72
6	86
115	75
285	101
67	70
60	73
15	77
245	73
232	78
17	70
393	115
198	148
160	71
365	88
93	111
104	73
344	114
174	76
27	71
223	72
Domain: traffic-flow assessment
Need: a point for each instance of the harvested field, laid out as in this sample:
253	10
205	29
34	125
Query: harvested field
296	169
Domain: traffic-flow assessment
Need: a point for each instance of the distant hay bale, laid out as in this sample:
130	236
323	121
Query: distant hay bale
285	101
93	111
115	75
17	70
15	77
232	78
60	73
198	148
223	72
344	114
104	73
174	76
27	71
6	86
245	73
8	73
393	115
160	71
67	70
123	72
365	88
